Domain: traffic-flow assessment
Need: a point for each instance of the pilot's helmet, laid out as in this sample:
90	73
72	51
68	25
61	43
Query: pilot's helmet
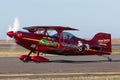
79	43
67	36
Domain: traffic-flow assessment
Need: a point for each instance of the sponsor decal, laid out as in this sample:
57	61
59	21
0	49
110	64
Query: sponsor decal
103	41
48	43
33	46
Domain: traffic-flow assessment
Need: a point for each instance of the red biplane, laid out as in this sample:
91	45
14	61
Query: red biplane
38	39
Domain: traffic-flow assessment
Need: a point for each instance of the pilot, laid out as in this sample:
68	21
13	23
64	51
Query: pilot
67	37
79	43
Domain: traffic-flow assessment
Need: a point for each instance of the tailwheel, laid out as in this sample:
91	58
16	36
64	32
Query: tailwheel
108	58
25	58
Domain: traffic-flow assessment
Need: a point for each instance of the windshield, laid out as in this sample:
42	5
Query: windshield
45	32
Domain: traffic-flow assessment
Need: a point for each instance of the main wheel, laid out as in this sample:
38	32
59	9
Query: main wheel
25	58
39	59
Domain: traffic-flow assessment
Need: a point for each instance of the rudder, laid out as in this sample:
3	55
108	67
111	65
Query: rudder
102	41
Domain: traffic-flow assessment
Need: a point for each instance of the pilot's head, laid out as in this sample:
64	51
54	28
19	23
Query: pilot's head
67	36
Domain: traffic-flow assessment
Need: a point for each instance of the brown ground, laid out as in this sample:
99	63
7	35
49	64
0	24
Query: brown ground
6	42
116	41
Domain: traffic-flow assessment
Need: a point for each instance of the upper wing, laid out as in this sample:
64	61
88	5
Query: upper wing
35	28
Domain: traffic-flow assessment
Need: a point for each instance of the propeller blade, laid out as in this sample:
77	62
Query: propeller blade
10	28
16	24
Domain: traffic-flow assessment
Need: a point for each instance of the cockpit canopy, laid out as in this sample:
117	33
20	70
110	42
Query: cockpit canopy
64	35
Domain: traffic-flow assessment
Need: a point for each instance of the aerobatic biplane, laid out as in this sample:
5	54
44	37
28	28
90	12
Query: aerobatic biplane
38	39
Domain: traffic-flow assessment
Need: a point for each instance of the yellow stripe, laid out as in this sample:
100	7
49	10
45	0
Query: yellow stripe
99	51
30	39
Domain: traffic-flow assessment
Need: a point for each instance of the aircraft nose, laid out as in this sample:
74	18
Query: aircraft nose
10	34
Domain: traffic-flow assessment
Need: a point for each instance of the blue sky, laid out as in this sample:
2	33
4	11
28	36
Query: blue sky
89	16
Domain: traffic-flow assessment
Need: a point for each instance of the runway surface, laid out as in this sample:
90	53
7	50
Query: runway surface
61	64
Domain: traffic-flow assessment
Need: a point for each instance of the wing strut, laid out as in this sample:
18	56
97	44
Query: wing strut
59	40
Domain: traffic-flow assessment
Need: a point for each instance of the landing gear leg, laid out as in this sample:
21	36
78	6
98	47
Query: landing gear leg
37	58
26	58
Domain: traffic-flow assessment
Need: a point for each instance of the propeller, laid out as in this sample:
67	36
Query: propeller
12	30
16	24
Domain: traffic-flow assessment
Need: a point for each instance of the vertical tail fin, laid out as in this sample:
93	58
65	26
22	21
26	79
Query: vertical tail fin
102	41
